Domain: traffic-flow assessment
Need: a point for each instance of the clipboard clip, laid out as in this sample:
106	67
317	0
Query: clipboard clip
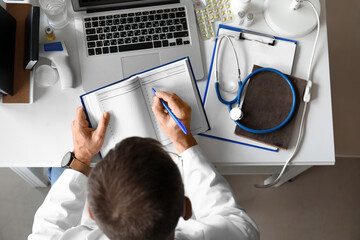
258	37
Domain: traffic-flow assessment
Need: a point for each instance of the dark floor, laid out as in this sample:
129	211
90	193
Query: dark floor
321	203
343	21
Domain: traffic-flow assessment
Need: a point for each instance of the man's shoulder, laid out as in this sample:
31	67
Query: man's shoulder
84	232
189	229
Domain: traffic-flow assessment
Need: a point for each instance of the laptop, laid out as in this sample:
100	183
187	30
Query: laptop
118	38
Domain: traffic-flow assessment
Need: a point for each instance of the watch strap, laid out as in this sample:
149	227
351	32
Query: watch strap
80	166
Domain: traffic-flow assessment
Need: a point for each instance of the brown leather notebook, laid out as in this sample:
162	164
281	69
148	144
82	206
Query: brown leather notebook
267	103
21	75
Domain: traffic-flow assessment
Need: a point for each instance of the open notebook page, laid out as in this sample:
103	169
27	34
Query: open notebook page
129	114
176	78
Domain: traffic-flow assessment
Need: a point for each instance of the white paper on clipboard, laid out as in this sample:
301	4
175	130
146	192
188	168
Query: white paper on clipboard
279	56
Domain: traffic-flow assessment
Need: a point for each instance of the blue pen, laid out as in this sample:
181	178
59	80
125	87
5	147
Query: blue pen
178	122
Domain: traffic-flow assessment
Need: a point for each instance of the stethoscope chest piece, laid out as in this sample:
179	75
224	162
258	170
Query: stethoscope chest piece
236	114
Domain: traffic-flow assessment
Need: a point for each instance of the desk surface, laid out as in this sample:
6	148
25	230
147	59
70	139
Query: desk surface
38	135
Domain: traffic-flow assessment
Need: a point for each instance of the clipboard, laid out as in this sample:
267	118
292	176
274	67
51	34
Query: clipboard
252	48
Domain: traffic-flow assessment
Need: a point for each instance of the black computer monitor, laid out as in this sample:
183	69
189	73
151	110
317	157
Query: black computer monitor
7	51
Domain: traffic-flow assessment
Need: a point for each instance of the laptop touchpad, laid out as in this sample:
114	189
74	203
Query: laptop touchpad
136	64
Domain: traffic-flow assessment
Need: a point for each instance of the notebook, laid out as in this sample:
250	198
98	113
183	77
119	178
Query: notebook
129	103
119	38
252	49
32	38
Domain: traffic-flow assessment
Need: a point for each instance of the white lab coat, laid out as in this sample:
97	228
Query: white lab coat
216	215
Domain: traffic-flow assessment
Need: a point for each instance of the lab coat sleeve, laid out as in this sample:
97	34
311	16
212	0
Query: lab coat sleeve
62	208
217	214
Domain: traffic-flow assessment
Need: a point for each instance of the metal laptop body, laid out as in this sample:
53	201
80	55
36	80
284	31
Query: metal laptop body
103	69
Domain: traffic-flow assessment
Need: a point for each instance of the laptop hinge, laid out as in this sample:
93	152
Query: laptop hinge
132	6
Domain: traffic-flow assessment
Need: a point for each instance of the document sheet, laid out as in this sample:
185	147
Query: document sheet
250	53
129	103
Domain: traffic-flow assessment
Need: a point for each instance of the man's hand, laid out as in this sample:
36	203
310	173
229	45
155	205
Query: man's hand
87	141
182	111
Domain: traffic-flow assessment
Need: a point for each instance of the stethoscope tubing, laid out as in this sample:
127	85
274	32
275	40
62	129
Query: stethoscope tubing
292	107
238	97
217	89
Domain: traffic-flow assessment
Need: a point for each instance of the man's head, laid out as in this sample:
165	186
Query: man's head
136	191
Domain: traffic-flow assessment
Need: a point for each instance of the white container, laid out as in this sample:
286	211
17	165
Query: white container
241	15
56	12
249	18
45	76
240	5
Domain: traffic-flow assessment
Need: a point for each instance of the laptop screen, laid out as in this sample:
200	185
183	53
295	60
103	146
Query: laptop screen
7	51
103	5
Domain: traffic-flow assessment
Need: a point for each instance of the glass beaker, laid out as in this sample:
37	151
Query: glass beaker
56	12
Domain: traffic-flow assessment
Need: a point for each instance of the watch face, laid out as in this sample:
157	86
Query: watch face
66	159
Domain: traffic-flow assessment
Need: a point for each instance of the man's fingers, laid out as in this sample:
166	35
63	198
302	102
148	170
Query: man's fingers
174	102
158	109
167	97
80	117
78	113
102	126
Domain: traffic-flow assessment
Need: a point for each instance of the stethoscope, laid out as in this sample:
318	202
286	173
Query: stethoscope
239	86
242	85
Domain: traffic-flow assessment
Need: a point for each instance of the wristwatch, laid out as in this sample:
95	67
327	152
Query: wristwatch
70	161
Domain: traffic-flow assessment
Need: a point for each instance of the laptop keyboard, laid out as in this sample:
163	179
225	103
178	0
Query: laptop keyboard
137	30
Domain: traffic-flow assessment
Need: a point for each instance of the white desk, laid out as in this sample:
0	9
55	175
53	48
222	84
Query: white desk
317	147
39	134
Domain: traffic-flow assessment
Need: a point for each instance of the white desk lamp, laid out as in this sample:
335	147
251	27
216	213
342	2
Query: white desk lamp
291	18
